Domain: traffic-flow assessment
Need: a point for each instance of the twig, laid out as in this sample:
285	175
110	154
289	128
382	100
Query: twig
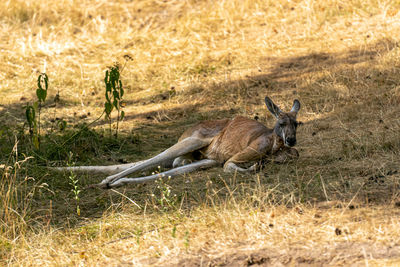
133	202
347	206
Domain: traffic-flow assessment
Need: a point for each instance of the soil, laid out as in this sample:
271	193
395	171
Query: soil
339	254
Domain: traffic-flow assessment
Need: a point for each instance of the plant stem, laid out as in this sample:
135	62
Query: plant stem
40	107
110	127
116	132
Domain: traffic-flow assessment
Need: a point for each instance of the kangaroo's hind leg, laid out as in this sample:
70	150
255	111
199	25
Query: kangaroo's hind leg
202	164
183	147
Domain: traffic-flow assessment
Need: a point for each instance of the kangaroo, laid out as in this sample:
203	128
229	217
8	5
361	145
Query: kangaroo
230	143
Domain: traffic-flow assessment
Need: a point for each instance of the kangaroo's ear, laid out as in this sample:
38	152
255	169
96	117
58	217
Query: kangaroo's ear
296	106
274	109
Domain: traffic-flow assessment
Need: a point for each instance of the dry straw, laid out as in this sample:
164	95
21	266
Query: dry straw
195	60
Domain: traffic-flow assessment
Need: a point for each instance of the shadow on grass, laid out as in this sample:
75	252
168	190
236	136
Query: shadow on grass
337	156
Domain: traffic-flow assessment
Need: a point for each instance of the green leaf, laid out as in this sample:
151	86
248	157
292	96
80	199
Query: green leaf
43	77
30	116
115	104
106	78
108	87
116	94
41	94
46	80
108	108
62	124
44	95
121	90
39	82
122	115
108	97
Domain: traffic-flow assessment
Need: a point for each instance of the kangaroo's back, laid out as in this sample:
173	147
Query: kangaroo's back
205	129
237	135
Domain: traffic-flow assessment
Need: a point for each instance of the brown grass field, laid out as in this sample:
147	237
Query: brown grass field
183	62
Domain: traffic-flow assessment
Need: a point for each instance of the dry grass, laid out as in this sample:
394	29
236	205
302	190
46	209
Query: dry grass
193	60
332	236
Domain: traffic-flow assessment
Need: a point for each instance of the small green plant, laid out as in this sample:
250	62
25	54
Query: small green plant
114	94
138	234
74	182
187	240
166	200
30	110
41	93
30	114
173	234
61	124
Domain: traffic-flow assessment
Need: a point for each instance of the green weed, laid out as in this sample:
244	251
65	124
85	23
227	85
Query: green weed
113	95
31	110
74	182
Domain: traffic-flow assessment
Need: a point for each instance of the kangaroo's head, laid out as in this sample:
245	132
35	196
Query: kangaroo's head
286	124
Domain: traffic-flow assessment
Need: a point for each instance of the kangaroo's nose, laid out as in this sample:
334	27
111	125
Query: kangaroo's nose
291	141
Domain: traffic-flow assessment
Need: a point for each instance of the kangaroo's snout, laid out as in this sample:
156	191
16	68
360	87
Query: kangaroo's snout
290	141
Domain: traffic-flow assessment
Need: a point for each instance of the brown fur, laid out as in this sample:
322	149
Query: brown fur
242	140
205	129
239	140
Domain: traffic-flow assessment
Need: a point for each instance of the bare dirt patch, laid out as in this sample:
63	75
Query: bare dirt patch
354	254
